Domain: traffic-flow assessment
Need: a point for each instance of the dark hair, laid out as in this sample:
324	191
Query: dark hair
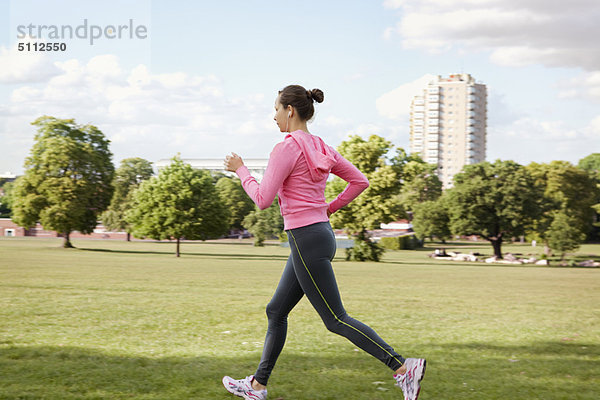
301	99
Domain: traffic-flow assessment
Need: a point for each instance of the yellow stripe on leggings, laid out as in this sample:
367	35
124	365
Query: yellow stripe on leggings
335	316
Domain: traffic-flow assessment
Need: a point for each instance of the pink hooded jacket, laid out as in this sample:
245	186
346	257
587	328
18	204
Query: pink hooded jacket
297	172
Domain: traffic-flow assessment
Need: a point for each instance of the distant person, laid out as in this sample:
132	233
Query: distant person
297	171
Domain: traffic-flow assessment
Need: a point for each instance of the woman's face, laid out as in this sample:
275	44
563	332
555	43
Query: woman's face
281	115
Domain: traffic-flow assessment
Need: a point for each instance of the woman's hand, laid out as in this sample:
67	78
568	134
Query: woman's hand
232	163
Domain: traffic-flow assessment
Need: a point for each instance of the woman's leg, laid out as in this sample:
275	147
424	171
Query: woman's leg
313	248
287	295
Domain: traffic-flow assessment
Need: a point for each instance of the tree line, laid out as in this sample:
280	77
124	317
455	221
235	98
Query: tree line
70	183
556	204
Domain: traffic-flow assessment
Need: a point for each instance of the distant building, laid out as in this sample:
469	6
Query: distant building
256	166
9	229
5	178
8	177
448	124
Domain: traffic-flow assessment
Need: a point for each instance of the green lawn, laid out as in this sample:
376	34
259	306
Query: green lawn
117	320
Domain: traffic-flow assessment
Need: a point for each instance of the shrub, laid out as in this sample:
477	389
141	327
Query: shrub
283	237
406	242
364	249
390	243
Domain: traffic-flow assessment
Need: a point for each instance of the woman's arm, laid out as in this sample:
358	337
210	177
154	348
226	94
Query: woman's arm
279	167
357	183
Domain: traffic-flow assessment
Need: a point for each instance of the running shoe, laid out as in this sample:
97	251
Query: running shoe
410	381
243	388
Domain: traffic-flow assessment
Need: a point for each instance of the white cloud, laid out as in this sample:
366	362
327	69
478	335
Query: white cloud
585	86
592	130
516	32
499	112
25	66
527	139
333	121
396	103
144	114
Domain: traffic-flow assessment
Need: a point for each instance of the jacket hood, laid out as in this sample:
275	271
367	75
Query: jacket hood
319	156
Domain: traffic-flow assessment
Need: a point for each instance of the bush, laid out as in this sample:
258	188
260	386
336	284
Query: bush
406	242
283	237
364	249
390	243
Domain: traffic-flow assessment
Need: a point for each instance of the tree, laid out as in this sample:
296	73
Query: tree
563	234
181	203
565	189
431	219
6	200
67	180
379	202
591	164
419	183
235	200
493	201
127	178
264	223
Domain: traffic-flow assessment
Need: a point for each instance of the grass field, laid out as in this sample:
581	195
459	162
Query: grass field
117	320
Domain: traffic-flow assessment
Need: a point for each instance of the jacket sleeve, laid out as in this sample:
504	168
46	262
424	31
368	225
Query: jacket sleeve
357	182
279	167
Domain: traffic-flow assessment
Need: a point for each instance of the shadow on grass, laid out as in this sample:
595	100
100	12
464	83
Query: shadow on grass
228	256
543	370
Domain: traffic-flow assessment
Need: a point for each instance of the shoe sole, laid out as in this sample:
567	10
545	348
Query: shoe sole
421	378
228	387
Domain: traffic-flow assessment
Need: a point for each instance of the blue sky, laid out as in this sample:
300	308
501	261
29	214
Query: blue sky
203	82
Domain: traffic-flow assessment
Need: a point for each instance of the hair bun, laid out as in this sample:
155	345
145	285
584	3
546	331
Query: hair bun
317	95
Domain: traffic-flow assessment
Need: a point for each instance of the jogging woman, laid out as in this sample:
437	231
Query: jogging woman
297	171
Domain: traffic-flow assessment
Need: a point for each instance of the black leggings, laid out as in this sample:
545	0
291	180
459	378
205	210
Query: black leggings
308	271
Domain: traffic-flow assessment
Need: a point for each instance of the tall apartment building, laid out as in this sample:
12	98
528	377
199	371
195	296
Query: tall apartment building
448	124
